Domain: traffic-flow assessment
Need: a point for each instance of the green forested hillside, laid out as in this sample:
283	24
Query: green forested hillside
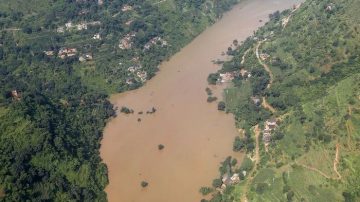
58	62
165	26
307	77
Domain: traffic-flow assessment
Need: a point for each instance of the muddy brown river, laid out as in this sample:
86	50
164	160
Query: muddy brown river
196	136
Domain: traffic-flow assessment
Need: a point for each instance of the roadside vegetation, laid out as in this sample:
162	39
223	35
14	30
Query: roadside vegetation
303	95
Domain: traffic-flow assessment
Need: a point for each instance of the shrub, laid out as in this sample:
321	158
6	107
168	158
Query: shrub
261	187
290	195
212	78
144	184
208	91
238	144
126	110
161	147
211	99
206	190
217	183
221	106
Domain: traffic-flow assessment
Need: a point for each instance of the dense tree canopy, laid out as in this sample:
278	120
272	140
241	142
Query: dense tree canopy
59	61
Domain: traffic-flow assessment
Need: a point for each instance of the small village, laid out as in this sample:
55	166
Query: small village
228	180
229	76
69	26
155	41
135	72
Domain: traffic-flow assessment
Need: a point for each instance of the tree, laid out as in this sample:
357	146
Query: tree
235	42
221	106
261	187
238	144
211	99
206	190
213	78
161	147
290	195
217	183
144	184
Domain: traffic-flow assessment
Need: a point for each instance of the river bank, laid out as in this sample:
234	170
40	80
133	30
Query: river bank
196	136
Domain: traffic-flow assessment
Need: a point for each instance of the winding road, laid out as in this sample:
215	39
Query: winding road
256	161
264	103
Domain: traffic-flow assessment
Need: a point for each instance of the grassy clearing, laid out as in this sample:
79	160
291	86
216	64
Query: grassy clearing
307	186
234	96
320	158
292	143
27	7
312	187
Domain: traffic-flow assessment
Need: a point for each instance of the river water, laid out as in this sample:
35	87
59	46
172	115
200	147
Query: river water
196	136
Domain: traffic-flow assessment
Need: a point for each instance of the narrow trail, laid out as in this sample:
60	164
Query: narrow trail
315	170
257	145
243	57
336	161
349	129
286	20
335	166
267	106
266	67
256	160
264	103
159	2
257	130
11	29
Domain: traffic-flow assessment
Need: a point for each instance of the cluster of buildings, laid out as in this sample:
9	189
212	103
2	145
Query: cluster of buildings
130	81
81	26
230	180
67	52
84	12
126	41
329	7
140	74
264	56
229	76
226	77
256	100
15	95
97	36
154	41
85	57
49	53
245	74
128	23
126	8
269	126
135	68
